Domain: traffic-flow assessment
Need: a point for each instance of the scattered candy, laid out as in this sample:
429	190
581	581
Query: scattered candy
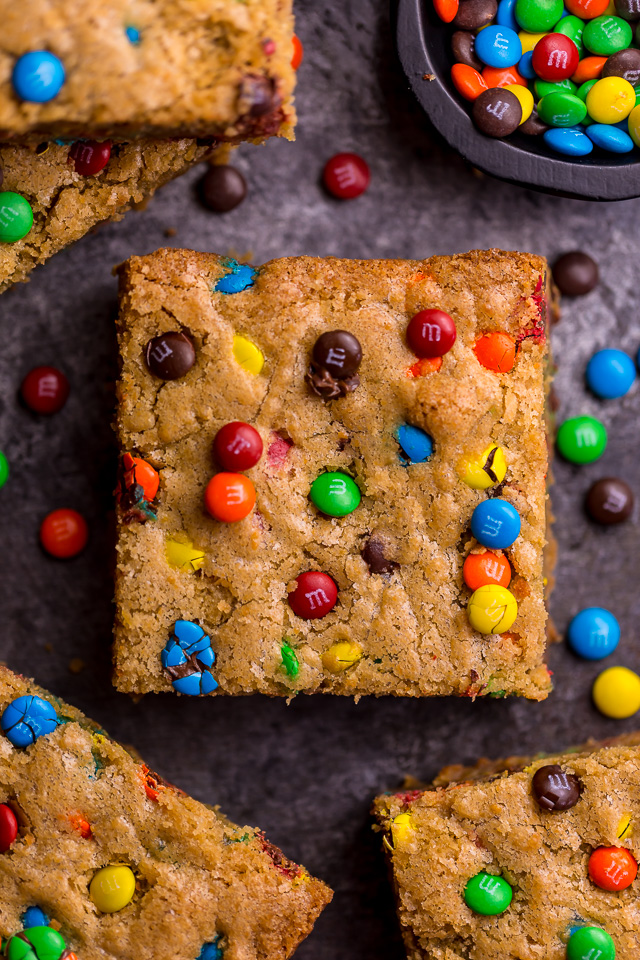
34	917
480	569
37	943
492	609
90	157
183	555
38	76
16	217
612	868
64	533
237	446
229	497
588	943
609	501
487	895
170	356
341	655
495	523
562	109
575	273
594	633
346	176
463	49
223	188
4	469
248	355
112	888
554	789
525	98
8	827
497	112
298	52
581	439
496	351
625	64
416	444
432	332
610	373
335	359
45	390
187	659
484	471
616	692
335	494
27	718
241	277
315	595
609	138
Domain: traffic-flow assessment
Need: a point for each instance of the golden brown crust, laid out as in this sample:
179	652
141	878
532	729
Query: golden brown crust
198	875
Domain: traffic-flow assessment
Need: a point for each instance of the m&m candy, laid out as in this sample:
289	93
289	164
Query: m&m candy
16	217
431	333
346	176
4	469
298	52
8	827
496	351
581	439
555	57
495	523
64	533
616	693
610	373
416	445
612	868
340	656
237	446
45	390
594	633
27	718
485	470
487	894
480	569
315	595
589	943
90	156
335	494
492	609
229	497
38	76
498	46
112	888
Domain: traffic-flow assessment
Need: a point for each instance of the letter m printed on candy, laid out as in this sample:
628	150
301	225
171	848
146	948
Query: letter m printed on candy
317	599
488	883
161	351
558	59
498	109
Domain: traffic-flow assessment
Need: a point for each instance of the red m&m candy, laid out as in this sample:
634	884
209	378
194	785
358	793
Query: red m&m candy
555	57
431	333
237	446
346	176
229	497
45	390
89	156
612	868
64	533
314	597
8	827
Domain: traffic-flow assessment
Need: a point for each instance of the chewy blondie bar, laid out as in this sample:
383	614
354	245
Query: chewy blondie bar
153	68
369	599
523	858
123	864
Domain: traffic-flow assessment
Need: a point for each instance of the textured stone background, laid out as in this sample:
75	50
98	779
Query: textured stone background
307	772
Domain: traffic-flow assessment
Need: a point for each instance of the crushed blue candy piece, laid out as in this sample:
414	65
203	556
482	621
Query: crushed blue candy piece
187	659
27	718
34	917
211	951
133	34
416	445
241	276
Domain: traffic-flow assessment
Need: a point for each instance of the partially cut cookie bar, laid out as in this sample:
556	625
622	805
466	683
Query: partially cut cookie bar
521	858
334	472
101	858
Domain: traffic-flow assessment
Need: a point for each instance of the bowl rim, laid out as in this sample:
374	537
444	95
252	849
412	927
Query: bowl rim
584	179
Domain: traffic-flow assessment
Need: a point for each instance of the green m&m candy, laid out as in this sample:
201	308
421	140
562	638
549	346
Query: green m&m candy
606	35
487	894
545	87
589	942
572	27
582	439
36	943
335	494
16	217
538	16
4	469
584	88
562	109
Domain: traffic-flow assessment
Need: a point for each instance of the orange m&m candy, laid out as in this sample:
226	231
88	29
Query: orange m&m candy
467	81
502	77
229	497
496	351
298	52
586	9
139	471
64	533
446	9
480	569
612	868
588	69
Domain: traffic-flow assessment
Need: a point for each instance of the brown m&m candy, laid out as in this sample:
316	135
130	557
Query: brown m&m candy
170	355
625	64
334	363
497	112
575	273
373	556
222	188
473	14
554	789
609	501
462	48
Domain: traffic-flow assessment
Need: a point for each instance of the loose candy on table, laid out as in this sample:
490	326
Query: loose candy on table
628	9
492	609
431	332
609	500
487	894
222	188
416	445
4	469
495	523
480	569
315	595
38	76
335	494
544	87
610	138
536	16
502	77
45	390
589	68
525	66
625	64
112	888
346	176
446	9
506	15
572	27
16	217
229	497
606	35
562	109
237	446
570	141
634	125
534	127
525	97
612	868
616	692
64	533
594	633
587	943
26	718
575	273
581	439
497	112
610	373
555	790
586	9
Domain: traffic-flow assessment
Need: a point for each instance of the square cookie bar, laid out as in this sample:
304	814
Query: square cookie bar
387	418
521	859
101	858
60	199
153	68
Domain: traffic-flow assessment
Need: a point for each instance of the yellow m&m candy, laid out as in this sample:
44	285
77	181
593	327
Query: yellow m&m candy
247	355
610	100
616	692
525	97
341	655
112	888
492	609
401	828
634	125
485	470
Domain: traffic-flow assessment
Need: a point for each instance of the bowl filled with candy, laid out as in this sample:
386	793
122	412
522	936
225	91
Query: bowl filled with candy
545	93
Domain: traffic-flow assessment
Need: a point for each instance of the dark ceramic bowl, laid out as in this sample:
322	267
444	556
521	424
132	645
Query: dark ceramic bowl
424	48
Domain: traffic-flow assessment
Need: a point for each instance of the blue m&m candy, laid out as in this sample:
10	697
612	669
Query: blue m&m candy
416	445
133	35
506	15
570	141
187	659
610	374
27	718
593	633
211	951
498	46
609	137
34	917
495	523
241	277
38	76
525	66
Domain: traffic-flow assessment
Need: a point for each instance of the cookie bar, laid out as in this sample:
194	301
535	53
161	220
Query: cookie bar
102	858
375	521
66	204
156	68
527	857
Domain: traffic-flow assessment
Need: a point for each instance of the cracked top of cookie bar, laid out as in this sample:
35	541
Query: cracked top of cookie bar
400	624
83	803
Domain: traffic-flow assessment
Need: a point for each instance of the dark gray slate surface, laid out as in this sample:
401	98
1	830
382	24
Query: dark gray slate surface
307	772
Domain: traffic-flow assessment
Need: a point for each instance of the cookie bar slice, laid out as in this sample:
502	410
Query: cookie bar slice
157	68
101	858
527	857
333	476
56	200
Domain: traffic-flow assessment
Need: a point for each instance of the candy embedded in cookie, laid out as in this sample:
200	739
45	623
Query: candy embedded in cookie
416	445
187	659
335	494
335	359
555	789
137	489
27	718
241	276
484	471
496	351
431	333
237	446
170	356
314	596
229	497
